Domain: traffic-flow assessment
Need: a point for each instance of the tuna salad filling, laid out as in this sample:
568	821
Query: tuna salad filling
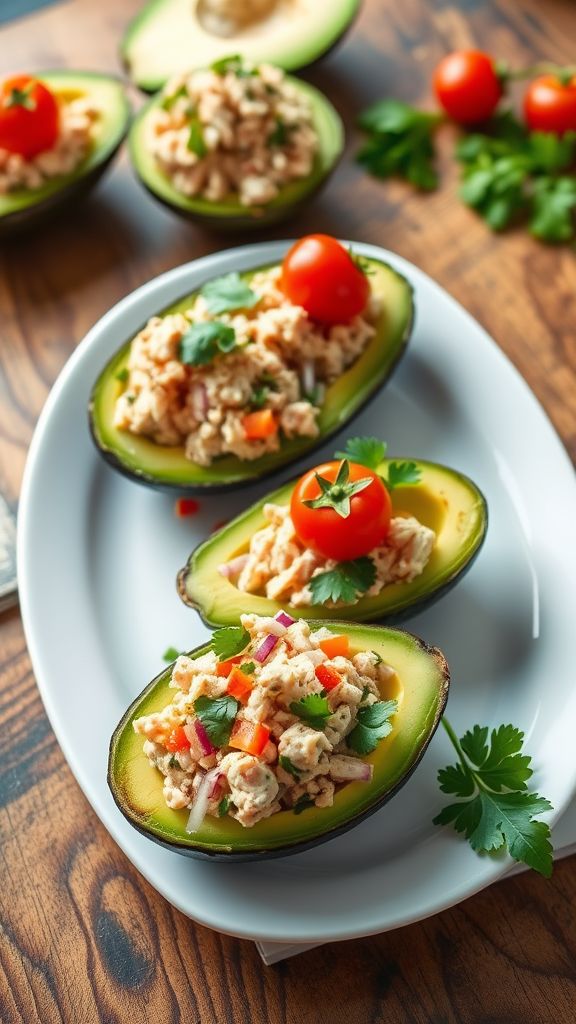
76	122
279	566
280	725
235	129
238	371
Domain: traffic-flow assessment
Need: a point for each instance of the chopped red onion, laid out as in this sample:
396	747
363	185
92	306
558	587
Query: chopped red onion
284	619
200	801
200	400
267	645
349	769
203	738
216	783
233	567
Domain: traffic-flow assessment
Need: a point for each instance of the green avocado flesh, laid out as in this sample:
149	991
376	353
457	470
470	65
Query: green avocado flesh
145	461
231	213
444	500
108	96
421	688
167	38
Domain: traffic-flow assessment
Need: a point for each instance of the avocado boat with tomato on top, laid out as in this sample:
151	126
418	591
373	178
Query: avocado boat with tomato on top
364	536
253	371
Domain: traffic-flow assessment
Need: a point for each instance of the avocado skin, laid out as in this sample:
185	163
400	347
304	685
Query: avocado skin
153	86
40	213
198	489
383	616
261	853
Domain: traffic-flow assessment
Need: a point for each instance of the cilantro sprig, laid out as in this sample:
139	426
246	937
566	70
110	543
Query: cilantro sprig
289	767
313	709
495	809
203	341
229	641
400	142
170	654
345	582
196	142
217	715
372	725
371	452
228	293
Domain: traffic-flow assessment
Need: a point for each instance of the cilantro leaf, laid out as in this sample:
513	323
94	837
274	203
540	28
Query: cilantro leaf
492	774
227	293
302	803
248	668
553	207
229	641
343	583
402	473
123	375
259	396
279	134
217	715
169	100
196	143
372	725
224	805
313	709
400	142
203	341
170	654
173	762
367	451
234	65
287	765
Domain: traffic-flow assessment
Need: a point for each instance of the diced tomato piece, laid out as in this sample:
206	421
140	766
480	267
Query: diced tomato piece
329	677
186	507
224	668
240	684
258	425
335	646
251	737
177	740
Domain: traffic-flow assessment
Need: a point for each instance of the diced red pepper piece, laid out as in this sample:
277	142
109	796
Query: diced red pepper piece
186	507
329	677
177	740
335	646
251	737
258	425
240	684
224	668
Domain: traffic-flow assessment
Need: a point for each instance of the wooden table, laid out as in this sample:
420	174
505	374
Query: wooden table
84	938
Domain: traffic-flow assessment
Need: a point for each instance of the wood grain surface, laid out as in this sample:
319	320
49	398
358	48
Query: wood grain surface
83	937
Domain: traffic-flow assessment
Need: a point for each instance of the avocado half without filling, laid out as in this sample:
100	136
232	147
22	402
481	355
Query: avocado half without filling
244	165
194	773
167	465
443	505
170	36
24	207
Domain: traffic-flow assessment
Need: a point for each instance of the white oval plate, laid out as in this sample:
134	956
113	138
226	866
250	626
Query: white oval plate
98	556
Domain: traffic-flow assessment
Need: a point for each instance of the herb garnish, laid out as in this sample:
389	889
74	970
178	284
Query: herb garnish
371	452
223	806
227	293
173	762
313	709
169	101
217	715
123	375
372	725
289	767
203	341
248	668
259	396
170	654
344	582
196	143
499	811
234	64
302	803
400	142
229	641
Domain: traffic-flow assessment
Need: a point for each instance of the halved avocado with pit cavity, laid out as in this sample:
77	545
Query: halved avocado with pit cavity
24	208
168	468
444	500
168	37
420	686
229	214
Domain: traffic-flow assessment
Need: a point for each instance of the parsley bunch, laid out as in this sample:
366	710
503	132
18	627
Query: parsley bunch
496	810
400	142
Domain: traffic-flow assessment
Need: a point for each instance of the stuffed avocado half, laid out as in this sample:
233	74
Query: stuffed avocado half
168	467
443	514
170	36
229	213
21	207
412	692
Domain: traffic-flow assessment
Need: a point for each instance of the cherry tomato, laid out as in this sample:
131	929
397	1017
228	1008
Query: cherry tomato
550	105
29	116
325	531
467	86
320	275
